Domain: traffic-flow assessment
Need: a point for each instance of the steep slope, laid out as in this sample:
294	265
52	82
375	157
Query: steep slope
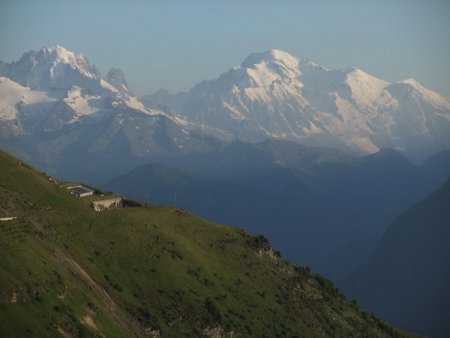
13	93
275	95
301	198
406	281
67	270
116	77
438	166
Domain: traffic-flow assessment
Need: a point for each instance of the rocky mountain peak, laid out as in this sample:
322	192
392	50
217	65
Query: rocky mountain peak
116	77
53	67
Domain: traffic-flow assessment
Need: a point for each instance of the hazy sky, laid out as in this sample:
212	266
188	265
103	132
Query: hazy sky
176	44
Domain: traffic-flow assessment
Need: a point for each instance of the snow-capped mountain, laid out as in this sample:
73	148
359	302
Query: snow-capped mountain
276	95
52	68
54	80
58	112
54	101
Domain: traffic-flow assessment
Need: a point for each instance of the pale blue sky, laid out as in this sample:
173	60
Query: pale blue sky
176	44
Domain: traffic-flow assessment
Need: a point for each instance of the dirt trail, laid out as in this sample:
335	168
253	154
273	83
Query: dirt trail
111	307
72	267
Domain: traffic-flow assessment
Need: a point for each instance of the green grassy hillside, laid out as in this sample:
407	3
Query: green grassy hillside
66	270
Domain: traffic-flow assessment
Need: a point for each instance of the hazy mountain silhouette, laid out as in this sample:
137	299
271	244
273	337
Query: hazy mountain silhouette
407	280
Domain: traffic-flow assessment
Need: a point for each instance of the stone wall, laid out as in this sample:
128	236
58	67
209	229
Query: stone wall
107	204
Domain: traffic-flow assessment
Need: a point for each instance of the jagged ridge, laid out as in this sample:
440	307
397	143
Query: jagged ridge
275	95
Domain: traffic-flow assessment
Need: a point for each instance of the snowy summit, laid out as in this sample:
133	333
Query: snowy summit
276	95
59	86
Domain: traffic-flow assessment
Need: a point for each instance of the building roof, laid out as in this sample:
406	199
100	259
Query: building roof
80	190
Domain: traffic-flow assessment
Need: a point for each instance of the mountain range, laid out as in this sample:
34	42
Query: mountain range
61	114
320	161
275	95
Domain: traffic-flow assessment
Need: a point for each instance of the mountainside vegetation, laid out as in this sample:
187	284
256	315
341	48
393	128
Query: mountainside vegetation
301	198
66	270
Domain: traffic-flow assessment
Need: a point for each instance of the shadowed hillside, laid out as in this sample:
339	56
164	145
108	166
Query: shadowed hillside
406	281
66	270
301	198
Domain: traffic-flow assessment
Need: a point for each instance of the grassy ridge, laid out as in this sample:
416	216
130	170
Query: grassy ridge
66	270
